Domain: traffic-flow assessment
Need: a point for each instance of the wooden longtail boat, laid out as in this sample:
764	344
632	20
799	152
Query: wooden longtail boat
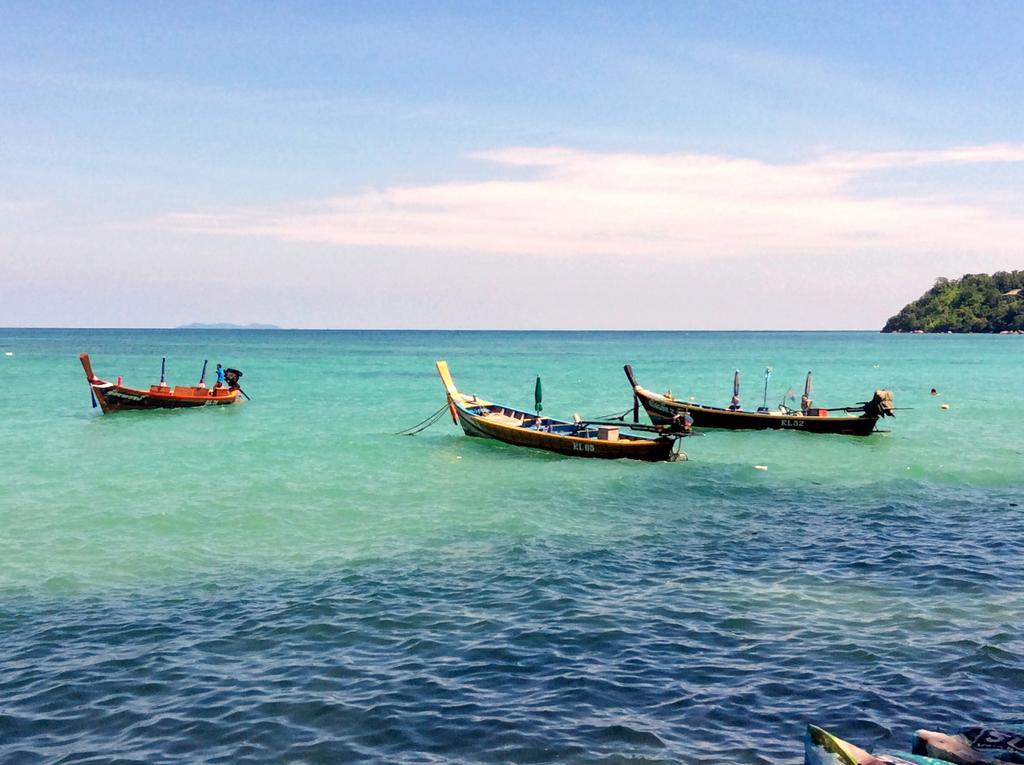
822	748
857	421
577	439
113	396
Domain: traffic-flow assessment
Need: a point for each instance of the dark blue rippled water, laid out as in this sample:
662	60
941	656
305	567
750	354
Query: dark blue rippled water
701	636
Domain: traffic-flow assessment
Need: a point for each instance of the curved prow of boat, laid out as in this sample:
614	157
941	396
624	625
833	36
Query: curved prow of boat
87	366
580	438
628	368
450	389
823	748
113	396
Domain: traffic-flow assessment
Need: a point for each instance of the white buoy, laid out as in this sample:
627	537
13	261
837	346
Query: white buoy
9	353
760	467
944	406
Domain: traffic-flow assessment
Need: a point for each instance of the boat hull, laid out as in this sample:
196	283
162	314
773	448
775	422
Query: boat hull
822	748
974	745
483	419
653	450
665	410
116	398
661	411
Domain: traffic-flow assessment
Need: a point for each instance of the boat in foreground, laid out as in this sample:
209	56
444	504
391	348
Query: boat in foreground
822	748
974	745
857	420
113	396
485	419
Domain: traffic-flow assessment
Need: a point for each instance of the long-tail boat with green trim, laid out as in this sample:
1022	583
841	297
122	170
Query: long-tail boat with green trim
603	440
859	420
113	396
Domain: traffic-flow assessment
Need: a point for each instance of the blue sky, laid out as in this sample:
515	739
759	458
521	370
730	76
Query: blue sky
717	165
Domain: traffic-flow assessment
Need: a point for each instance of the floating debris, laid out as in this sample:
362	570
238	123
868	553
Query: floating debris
760	467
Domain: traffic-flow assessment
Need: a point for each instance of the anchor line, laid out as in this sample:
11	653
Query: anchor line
423	424
616	415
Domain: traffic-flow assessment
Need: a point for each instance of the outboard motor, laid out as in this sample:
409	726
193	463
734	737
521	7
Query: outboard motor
231	377
682	423
880	405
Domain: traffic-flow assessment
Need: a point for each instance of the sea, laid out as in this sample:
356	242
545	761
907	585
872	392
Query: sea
288	580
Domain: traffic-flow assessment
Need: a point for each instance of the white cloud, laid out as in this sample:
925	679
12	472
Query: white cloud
21	206
566	202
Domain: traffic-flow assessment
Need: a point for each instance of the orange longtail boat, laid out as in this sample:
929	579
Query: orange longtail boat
113	396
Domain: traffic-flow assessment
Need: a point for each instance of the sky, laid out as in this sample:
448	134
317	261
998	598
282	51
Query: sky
507	165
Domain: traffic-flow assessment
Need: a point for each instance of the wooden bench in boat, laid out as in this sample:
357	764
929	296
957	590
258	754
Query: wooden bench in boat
504	419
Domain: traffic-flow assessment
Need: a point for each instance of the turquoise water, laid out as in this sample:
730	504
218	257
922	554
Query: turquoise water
289	581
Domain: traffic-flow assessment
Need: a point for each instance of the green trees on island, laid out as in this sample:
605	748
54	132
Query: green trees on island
974	303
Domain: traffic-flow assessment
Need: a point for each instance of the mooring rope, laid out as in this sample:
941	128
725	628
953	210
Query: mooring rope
617	415
423	424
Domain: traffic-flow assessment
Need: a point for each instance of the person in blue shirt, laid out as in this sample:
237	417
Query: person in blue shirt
220	377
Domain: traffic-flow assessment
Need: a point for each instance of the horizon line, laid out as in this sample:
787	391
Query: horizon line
243	328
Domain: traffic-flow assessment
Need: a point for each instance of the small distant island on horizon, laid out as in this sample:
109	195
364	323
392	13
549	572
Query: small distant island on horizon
992	304
224	325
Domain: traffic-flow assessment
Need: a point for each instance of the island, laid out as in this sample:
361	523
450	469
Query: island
973	303
227	326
